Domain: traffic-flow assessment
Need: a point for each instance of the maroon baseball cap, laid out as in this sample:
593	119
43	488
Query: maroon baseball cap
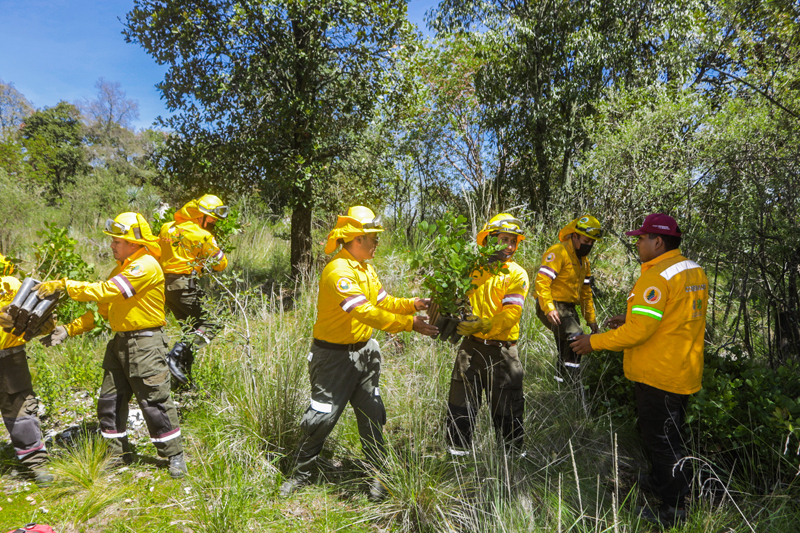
658	223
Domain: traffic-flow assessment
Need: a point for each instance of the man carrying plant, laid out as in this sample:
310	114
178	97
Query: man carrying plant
344	364
18	402
132	300
487	361
563	282
662	335
187	248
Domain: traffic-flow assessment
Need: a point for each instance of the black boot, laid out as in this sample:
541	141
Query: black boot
175	361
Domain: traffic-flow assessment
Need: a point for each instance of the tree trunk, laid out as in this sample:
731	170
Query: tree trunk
301	257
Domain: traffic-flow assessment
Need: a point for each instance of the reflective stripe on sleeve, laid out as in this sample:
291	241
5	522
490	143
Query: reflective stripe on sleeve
382	295
514	299
169	435
123	285
587	281
547	271
677	268
352	302
321	407
218	256
647	311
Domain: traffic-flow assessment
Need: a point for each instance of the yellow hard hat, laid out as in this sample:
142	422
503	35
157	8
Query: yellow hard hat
133	227
502	223
586	225
6	266
212	206
359	220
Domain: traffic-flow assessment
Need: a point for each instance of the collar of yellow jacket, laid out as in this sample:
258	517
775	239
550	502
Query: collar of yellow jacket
134	256
663	257
344	254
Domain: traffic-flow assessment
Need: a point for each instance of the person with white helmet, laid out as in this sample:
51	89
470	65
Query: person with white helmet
188	248
563	282
344	364
132	300
18	402
488	362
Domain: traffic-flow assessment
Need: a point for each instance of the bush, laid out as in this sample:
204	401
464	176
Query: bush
744	417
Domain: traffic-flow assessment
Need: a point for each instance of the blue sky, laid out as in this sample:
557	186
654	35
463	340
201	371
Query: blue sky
56	50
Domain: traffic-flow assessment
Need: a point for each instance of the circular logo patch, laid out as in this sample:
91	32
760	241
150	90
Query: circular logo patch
343	285
584	220
652	295
551	256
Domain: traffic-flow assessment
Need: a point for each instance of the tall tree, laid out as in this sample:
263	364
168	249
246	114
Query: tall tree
547	62
269	93
54	151
14	107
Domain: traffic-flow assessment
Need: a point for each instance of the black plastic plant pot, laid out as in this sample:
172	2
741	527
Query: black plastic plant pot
447	329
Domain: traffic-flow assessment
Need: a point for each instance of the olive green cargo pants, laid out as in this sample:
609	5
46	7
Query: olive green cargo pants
19	407
135	363
339	376
184	298
569	363
493	371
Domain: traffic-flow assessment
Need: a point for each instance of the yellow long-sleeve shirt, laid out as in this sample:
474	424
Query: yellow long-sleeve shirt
501	298
664	326
131	299
8	289
185	247
564	277
352	303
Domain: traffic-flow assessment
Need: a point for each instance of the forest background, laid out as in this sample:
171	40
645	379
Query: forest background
293	111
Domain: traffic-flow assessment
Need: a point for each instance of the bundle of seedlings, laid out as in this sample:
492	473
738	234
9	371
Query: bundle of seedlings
29	312
448	264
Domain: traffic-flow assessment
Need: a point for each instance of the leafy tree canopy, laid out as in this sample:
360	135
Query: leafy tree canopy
269	94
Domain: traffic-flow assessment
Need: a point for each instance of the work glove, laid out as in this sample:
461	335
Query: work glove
58	336
474	324
43	290
5	319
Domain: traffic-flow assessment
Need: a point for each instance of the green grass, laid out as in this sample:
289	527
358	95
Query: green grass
241	425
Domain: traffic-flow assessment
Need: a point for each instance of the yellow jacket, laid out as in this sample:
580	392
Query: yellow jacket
131	299
185	246
500	297
564	277
8	288
352	302
664	327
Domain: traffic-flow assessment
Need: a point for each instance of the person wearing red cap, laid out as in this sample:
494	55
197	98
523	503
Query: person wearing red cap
662	335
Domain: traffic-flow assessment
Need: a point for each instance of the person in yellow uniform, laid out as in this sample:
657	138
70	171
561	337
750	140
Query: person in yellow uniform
344	363
132	300
487	362
563	282
18	402
662	334
188	248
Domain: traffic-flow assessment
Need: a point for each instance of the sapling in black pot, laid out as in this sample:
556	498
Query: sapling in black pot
447	263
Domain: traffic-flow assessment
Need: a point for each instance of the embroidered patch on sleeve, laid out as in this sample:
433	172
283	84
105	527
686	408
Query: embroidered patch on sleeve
652	295
343	285
550	257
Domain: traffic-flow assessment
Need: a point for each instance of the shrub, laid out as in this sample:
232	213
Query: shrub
449	261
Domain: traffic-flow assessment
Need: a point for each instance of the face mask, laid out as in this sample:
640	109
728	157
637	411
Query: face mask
583	250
